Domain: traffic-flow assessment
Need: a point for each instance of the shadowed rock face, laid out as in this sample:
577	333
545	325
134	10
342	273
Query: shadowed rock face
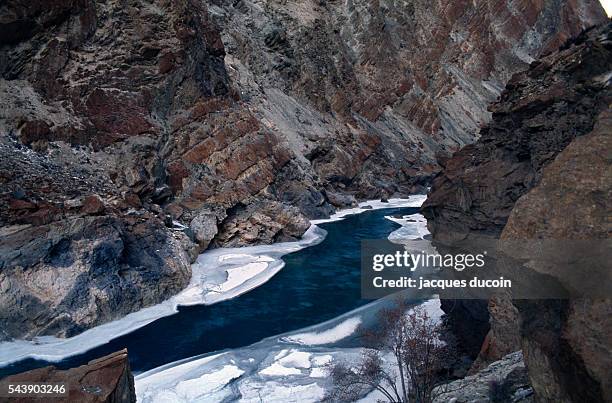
541	170
568	349
107	379
237	120
541	111
76	273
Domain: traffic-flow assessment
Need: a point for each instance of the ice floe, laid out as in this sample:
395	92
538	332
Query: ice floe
207	385
339	332
273	392
278	369
413	227
288	362
412	201
294	358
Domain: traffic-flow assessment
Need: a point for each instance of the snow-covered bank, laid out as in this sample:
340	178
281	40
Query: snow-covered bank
218	275
285	368
411	201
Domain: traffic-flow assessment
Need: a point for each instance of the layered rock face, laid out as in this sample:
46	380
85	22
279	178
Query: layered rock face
368	92
135	135
541	111
541	170
107	379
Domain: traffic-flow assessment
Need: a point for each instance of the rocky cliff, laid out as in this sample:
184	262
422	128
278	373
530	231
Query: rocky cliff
541	171
568	343
136	134
541	111
107	379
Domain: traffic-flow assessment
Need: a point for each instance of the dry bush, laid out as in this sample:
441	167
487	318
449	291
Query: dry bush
412	338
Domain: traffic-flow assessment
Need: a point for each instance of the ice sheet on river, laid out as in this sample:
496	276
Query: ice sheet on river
277	369
412	201
217	275
413	227
336	333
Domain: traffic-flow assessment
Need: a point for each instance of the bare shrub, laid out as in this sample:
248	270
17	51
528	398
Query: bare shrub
411	337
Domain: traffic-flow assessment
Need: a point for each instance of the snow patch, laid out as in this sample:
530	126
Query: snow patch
338	332
319	362
207	384
287	363
272	392
300	359
433	309
238	275
277	369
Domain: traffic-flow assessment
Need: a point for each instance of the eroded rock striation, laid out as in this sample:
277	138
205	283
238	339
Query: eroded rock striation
135	135
541	171
541	111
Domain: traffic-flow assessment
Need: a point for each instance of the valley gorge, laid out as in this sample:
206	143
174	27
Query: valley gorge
124	123
135	135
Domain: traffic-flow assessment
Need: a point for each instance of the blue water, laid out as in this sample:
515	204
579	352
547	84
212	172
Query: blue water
317	284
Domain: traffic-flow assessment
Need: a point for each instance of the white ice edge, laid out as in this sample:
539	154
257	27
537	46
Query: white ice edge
413	227
339	332
281	372
211	282
411	201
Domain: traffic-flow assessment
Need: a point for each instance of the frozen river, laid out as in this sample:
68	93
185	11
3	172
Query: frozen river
315	287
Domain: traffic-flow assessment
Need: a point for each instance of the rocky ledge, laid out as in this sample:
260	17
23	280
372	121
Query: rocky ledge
505	380
107	379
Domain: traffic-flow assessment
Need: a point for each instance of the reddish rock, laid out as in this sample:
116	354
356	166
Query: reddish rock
133	200
33	131
197	155
567	344
43	215
107	379
117	114
166	62
205	106
17	204
174	210
92	205
540	173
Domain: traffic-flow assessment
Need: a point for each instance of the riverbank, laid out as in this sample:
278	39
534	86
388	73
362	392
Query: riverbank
219	275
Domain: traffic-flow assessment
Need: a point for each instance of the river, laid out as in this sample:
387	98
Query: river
317	284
